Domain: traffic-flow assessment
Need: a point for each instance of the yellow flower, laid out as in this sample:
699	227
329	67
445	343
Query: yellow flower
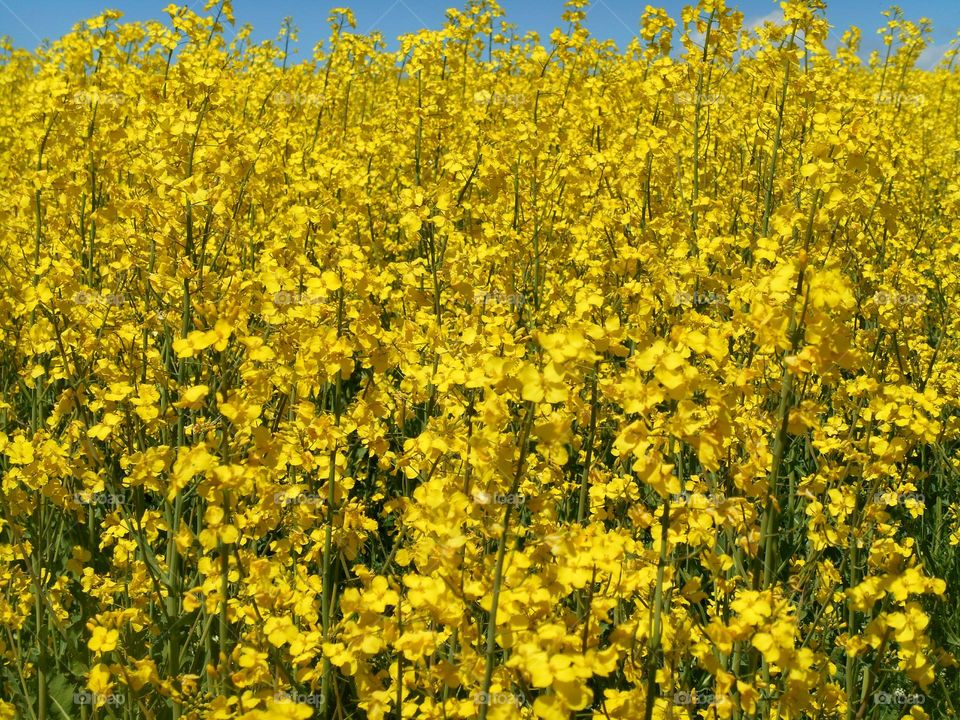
103	640
20	451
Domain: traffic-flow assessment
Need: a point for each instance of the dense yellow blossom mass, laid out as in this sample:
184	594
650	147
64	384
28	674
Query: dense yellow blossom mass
492	377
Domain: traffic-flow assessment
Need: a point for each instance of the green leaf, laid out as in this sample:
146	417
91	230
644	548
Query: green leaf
60	692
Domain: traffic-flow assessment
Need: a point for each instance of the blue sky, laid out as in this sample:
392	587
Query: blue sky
29	21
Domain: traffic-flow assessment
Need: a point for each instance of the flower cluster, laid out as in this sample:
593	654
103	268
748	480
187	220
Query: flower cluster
490	377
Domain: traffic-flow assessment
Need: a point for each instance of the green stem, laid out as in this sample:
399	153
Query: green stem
498	568
653	645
